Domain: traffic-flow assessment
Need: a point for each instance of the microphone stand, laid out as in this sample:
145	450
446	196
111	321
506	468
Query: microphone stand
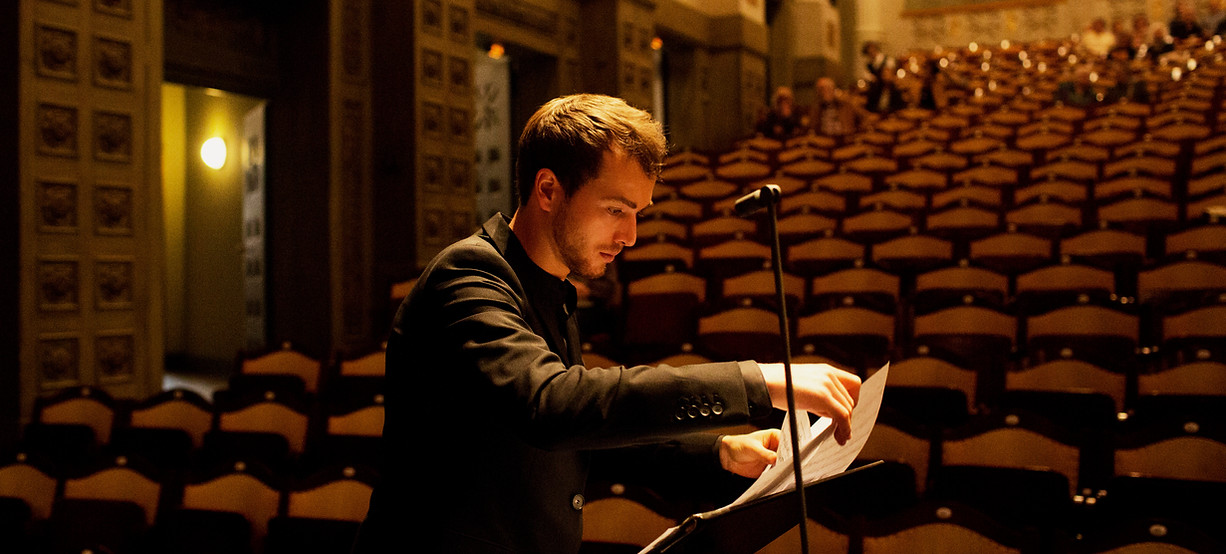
768	195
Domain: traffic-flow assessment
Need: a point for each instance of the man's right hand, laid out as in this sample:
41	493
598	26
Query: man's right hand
821	389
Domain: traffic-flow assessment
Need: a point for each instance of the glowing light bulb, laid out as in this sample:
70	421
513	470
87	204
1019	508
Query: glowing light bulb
213	152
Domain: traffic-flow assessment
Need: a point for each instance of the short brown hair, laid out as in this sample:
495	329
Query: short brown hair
569	135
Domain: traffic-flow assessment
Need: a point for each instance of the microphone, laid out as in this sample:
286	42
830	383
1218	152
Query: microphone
756	200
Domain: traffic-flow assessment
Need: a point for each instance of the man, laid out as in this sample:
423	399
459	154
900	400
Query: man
781	121
1097	40
491	416
833	114
1214	21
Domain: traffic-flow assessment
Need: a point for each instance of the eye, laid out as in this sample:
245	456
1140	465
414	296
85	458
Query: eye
614	210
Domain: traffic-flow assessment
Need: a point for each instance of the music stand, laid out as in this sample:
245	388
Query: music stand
745	528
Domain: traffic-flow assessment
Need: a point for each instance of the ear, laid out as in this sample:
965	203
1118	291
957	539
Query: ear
547	190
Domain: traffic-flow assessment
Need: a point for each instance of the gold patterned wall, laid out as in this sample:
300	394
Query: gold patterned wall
90	81
444	135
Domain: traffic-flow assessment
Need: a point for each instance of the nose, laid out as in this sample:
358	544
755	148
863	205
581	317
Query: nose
627	232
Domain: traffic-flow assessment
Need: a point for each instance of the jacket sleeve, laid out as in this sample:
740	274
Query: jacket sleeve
479	315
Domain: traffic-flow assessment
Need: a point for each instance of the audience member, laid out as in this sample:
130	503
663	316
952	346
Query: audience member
876	61
1214	22
1128	85
1185	25
930	90
1148	35
1078	89
1097	40
781	121
881	91
833	113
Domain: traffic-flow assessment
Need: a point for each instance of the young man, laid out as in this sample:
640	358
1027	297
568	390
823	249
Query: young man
491	416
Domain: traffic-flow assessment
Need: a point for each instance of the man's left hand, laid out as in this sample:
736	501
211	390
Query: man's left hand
748	455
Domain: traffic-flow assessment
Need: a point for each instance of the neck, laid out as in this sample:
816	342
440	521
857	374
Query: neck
532	228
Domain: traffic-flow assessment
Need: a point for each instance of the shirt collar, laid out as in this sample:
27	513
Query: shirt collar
541	286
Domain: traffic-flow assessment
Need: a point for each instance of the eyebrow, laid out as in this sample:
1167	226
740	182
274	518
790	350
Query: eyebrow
629	203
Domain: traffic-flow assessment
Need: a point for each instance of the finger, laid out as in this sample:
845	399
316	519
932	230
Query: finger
771	438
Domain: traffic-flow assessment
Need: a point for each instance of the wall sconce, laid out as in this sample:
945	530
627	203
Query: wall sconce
213	152
496	51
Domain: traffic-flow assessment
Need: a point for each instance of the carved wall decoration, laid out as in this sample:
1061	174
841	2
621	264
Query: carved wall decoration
458	19
112	63
459	125
56	52
58	130
432	16
460	77
114	284
627	36
353	41
521	14
121	8
629	76
59	284
58	209
113	210
432	173
115	356
434	227
461	175
431	67
59	360
432	119
461	224
112	137
646	79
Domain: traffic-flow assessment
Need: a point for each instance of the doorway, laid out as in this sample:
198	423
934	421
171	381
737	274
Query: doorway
214	220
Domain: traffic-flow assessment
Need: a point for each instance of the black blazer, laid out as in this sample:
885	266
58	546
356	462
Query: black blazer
491	415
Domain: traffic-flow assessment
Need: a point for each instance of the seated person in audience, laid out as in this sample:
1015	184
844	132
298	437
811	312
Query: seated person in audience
782	121
930	90
1097	39
1078	89
492	419
875	61
1128	84
882	94
1148	36
1214	22
1184	25
833	113
1123	37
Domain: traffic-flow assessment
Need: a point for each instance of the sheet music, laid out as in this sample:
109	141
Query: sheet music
821	455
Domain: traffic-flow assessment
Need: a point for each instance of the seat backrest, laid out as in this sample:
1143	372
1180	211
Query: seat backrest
341	499
117	483
83	406
30	484
285	362
268	417
622	521
237	492
178	409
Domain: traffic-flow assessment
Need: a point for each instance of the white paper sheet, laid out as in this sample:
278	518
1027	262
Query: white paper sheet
821	455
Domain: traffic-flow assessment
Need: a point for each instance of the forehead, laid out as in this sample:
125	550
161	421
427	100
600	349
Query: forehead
620	177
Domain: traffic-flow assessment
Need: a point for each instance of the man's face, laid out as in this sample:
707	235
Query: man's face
593	224
825	89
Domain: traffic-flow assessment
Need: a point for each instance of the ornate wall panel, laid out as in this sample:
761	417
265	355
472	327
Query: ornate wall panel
446	188
90	194
351	178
